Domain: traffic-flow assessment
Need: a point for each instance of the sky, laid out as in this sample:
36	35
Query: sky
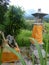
32	4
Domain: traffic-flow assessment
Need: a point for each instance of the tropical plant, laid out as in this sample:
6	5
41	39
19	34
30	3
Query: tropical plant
14	20
23	38
3	9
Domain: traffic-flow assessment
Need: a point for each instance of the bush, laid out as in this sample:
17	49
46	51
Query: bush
2	27
14	20
23	38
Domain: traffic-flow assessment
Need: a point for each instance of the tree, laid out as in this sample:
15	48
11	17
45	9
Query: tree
3	9
14	20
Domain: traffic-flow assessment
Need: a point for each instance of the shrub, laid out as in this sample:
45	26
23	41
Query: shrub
23	38
14	20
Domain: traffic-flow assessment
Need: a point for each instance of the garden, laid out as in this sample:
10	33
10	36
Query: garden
13	22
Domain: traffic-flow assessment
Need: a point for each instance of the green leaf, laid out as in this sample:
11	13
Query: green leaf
46	53
17	54
1	50
33	59
39	50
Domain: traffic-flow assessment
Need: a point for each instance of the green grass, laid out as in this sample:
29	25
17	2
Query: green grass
42	61
39	50
1	50
23	38
46	41
46	27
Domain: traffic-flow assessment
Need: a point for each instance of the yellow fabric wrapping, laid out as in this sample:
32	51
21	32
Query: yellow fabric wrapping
8	56
37	33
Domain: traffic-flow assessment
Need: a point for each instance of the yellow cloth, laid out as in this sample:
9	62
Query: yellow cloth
37	33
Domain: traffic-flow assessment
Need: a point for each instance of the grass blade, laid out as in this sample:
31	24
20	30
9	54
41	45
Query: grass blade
39	51
33	59
46	52
17	54
1	49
